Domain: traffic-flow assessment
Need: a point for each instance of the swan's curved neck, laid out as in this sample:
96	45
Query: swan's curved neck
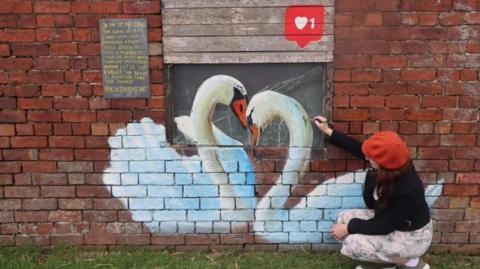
202	119
294	116
207	97
300	129
301	134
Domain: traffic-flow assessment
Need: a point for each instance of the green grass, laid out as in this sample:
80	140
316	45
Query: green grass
68	257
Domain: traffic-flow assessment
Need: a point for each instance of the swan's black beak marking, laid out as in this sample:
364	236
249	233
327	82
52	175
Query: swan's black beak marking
254	130
239	106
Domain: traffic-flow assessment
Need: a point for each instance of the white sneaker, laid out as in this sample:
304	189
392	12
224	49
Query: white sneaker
421	265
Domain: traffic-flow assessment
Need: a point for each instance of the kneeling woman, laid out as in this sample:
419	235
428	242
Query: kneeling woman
396	228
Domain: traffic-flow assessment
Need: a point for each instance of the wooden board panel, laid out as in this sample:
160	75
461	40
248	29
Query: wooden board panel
249	57
241	3
241	43
239	31
259	15
231	29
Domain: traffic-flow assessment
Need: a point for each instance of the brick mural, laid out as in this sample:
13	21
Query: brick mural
80	168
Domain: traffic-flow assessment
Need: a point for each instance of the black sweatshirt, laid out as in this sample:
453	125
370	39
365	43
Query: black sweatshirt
406	209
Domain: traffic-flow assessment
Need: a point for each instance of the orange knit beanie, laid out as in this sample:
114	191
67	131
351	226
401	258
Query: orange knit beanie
387	149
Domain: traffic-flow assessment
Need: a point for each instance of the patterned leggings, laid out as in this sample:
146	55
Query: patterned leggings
383	248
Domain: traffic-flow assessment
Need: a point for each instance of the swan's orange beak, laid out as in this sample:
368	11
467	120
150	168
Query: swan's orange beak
239	107
255	131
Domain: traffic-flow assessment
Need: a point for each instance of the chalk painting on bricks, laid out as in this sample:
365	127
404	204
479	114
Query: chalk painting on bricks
213	191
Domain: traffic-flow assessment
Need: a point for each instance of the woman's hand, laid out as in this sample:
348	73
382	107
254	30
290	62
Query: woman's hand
339	231
322	124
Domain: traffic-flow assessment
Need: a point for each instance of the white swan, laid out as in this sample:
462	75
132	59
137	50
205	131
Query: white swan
144	144
198	127
267	106
264	108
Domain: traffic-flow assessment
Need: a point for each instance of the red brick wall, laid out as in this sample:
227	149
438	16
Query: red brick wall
403	65
413	66
55	123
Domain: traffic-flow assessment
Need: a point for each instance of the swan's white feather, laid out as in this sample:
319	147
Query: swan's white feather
185	125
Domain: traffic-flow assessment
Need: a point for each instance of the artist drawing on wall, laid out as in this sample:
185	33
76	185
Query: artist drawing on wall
214	190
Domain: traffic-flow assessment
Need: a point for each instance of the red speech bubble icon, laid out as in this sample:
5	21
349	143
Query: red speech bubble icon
304	23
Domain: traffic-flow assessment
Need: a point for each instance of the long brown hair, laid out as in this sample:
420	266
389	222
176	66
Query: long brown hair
385	180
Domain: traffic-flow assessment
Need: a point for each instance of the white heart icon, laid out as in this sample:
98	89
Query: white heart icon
300	22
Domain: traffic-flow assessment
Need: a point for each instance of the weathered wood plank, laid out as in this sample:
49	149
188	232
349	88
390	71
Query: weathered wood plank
260	15
241	43
241	3
250	57
238	31
231	29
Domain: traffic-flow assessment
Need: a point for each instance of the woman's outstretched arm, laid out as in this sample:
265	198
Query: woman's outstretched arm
340	139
